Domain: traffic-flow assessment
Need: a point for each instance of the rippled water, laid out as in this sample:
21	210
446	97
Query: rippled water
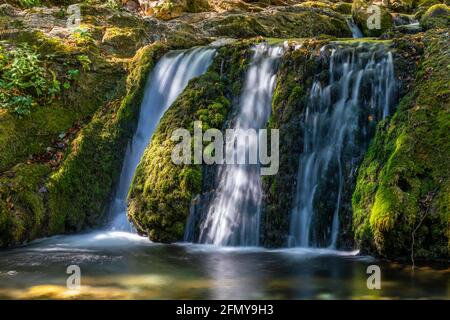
121	265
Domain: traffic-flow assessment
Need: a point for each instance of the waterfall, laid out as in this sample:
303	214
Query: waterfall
356	32
339	121
168	79
233	215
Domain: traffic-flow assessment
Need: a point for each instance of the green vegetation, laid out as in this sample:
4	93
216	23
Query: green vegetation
24	81
437	16
22	211
282	24
402	194
361	16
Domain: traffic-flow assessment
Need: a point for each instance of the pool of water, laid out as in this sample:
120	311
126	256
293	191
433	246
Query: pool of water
120	265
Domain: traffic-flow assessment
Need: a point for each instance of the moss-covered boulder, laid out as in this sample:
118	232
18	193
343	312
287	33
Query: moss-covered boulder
401	204
402	6
289	22
423	5
366	17
170	9
343	7
437	16
161	192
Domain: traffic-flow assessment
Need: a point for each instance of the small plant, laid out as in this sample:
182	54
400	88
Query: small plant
73	74
85	62
23	80
66	85
29	3
82	36
114	4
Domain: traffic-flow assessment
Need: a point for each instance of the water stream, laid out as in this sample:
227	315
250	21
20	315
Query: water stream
170	76
233	216
338	124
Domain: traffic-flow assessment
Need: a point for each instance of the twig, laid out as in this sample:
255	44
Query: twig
433	193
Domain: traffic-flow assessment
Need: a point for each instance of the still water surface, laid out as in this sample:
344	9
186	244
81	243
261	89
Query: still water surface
120	265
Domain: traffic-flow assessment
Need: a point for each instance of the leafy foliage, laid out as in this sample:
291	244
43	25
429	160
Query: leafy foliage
29	3
24	80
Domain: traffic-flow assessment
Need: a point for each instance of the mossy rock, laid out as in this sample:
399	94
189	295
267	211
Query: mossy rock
124	41
161	192
402	6
437	16
403	185
343	7
289	23
30	135
423	5
22	208
170	9
238	26
364	17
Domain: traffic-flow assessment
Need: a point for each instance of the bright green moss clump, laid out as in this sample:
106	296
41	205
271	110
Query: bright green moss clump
437	16
22	209
162	191
403	184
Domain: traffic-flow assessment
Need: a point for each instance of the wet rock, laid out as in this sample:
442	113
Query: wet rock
364	15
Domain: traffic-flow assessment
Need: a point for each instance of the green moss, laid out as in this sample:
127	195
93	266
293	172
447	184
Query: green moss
124	41
423	5
343	7
194	6
361	15
405	177
402	6
281	24
22	208
22	137
162	191
437	16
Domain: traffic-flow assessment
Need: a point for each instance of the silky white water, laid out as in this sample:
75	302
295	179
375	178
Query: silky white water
233	216
169	78
356	32
359	91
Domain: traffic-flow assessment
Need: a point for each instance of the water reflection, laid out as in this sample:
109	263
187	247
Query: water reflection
131	267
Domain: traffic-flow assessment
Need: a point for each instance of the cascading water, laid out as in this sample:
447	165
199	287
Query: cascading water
170	76
233	215
339	121
356	32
